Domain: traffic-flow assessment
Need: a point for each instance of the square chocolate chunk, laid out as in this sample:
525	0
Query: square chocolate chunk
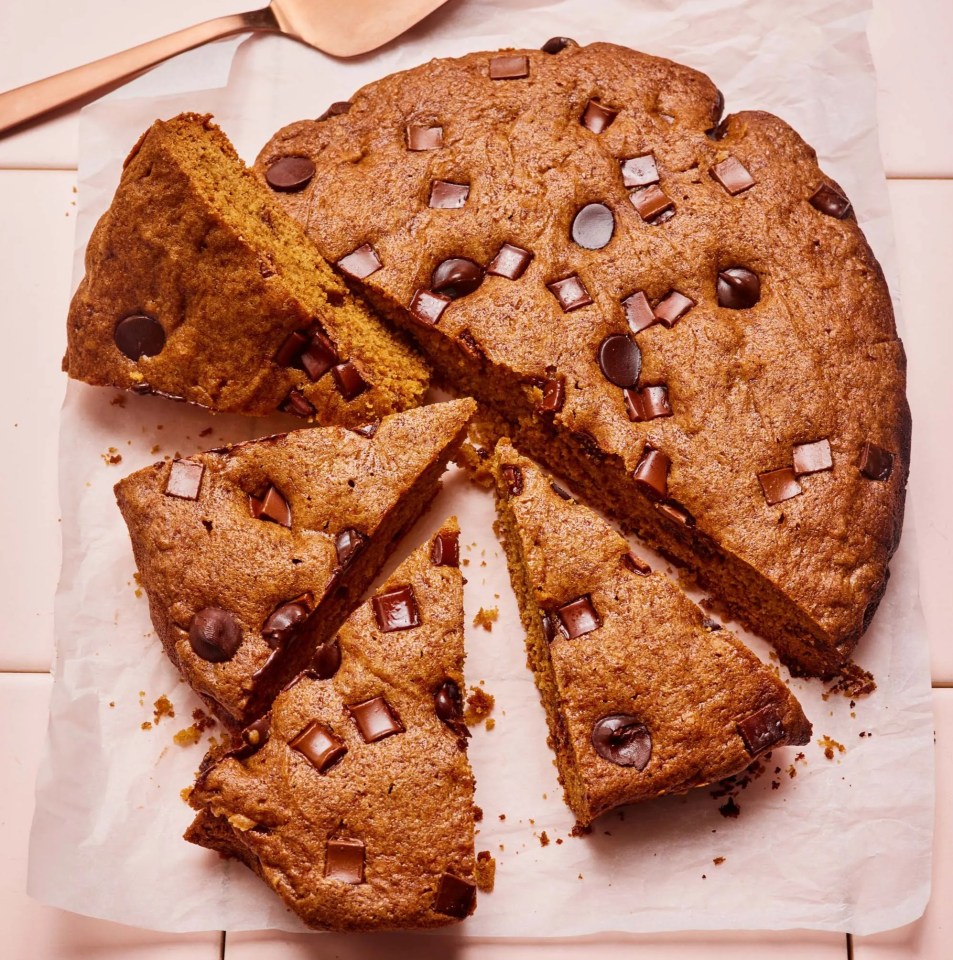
424	138
344	860
638	311
733	175
360	263
579	617
426	306
875	462
640	171
779	485
596	117
761	730
812	457
650	202
185	479
319	746
571	293
397	609
375	719
448	196
509	68
510	262
672	307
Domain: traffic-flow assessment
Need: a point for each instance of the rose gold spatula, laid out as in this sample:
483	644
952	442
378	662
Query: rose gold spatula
342	28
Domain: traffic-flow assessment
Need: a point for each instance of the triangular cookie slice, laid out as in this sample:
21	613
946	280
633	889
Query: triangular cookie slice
643	696
353	798
199	286
253	555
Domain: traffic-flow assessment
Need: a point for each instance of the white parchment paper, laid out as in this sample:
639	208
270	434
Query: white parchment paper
842	844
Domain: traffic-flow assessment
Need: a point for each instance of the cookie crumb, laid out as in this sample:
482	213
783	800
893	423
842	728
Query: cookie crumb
485	872
479	707
162	708
544	839
145	725
111	457
718	861
207	432
188	736
119	400
730	809
830	745
185	793
490	723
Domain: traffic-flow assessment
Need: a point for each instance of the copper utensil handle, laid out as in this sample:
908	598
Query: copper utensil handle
35	100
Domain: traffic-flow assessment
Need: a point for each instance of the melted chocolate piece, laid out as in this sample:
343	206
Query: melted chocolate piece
738	288
636	564
830	202
337	109
289	174
578	617
875	462
424	138
319	746
718	107
286	620
456	897
326	660
348	380
289	353
549	627
427	306
319	356
185	480
651	203
647	403
675	511
593	226
375	719
254	737
513	478
298	405
651	473
623	740
509	68
812	457
445	550
456	277
761	730
638	312
139	336
640	171
779	485
214	635
272	506
511	262
396	609
733	175
344	861
596	117
554	397
558	44
570	292
348	544
620	360
448	196
672	307
448	705
360	263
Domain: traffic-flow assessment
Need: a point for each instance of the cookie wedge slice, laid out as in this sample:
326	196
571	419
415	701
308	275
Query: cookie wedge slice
643	696
353	797
253	555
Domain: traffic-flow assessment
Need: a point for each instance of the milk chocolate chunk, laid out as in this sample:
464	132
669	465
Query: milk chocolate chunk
638	312
319	746
456	897
360	263
318	357
344	860
651	473
456	277
348	544
139	336
578	617
289	174
298	405
185	480
348	380
761	730
733	175
509	68
445	550
640	171
623	740
511	262
672	307
514	479
875	462
375	719
812	457
337	109
830	201
593	226
620	360
396	609
448	196
289	353
558	44
254	737
647	403
214	635
554	396
421	138
272	506
286	620
570	292
779	485
675	511
426	306
651	203
596	117
738	288
636	564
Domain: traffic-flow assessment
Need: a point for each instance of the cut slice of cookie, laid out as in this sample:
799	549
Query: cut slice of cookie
253	555
644	697
200	287
353	797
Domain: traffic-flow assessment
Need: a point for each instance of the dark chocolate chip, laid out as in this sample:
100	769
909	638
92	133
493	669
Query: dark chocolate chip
319	356
456	277
620	360
733	175
719	131
570	292
424	138
509	68
445	550
761	730
326	660
830	201
738	288
593	226
651	203
875	462
344	861
558	44
272	506
396	609
596	117
448	196
554	396
289	174
214	635
337	109
718	107
640	171
623	740
779	485
549	627
185	480
254	737
360	263
564	494
651	473
448	703
675	511
468	343
456	897
375	719
426	306
579	617
139	336
368	429
636	564
510	262
286	620
812	457
589	445
348	544
638	312
319	746
291	348
348	380
298	405
672	307
513	478
647	403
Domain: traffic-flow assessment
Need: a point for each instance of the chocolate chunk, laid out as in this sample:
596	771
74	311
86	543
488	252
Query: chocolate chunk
779	485
360	263
718	107
549	627
509	68
640	171
348	380
620	360
578	617
214	635
139	336
570	292
290	174
593	226
286	620
337	109
589	445
636	564
375	719
445	550
719	131
675	511
319	746
761	730
651	473
348	544
623	740
427	306
456	277
448	705
596	117
875	462
830	201
738	288
511	262
298	405
558	44
368	429
185	479
672	307
289	353
319	356
468	343
254	737
272	506
424	138
647	403
456	897
397	609
812	457
638	312
513	478
326	660
554	396
448	196
651	203
344	861
733	175
564	494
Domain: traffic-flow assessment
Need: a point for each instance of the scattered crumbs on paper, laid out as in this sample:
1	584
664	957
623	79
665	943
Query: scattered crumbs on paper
544	839
188	736
142	698
580	831
145	725
477	814
864	733
112	703
730	809
207	432
485	873
465	562
486	618
162	708
559	840
185	793
155	449
111	457
502	816
718	861
479	707
490	723
119	400
830	745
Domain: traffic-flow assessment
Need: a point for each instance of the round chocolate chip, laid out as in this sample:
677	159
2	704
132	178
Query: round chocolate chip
139	336
327	659
558	44
282	625
456	277
593	226
738	288
290	174
620	360
623	739
448	701
214	635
